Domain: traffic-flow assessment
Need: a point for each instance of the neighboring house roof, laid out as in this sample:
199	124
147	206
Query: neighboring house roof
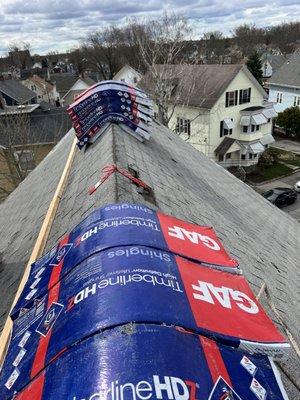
16	90
289	73
42	83
88	81
185	184
197	85
124	69
44	127
224	146
276	61
63	82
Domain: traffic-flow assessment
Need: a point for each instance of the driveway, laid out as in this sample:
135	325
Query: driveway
288	145
288	181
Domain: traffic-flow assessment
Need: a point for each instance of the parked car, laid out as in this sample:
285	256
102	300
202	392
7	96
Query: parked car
281	196
297	186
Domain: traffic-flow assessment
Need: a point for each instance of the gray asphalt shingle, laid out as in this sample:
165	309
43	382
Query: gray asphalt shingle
186	184
289	73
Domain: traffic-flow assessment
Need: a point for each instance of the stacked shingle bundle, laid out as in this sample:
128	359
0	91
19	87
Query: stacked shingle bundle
111	101
136	304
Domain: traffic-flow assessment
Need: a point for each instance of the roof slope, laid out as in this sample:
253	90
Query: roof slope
63	82
201	84
45	126
275	60
289	73
16	90
185	183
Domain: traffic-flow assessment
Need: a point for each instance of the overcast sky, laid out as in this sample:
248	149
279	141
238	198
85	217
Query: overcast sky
59	24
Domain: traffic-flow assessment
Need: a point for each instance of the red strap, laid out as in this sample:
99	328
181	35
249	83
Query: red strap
109	170
214	360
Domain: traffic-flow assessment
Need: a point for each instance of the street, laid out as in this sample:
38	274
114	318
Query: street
288	181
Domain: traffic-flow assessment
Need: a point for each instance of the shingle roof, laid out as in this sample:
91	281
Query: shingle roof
44	127
276	61
201	84
63	82
225	145
16	90
289	73
185	184
89	81
35	79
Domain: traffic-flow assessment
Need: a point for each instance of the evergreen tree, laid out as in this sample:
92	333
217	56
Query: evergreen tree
254	65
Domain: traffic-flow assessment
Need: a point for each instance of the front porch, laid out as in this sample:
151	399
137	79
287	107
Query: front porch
232	152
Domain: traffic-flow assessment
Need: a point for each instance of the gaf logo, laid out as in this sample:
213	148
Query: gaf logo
170	387
209	293
193	237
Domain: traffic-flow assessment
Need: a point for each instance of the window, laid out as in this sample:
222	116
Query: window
183	126
227	156
245	129
231	98
245	96
257	127
296	101
221	158
243	157
250	156
224	131
25	159
279	97
252	128
254	155
134	79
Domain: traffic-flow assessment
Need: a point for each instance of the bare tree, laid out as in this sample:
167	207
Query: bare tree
101	51
19	54
20	143
14	130
162	44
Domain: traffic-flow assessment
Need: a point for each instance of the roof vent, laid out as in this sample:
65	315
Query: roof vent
111	101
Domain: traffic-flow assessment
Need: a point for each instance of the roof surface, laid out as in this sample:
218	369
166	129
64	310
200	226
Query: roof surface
35	79
275	60
44	127
224	145
63	82
289	73
201	84
16	90
185	183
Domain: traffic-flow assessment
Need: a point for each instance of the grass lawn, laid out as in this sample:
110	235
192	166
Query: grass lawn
286	156
270	172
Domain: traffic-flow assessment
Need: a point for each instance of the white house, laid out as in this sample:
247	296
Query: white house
284	85
78	87
45	91
128	75
220	110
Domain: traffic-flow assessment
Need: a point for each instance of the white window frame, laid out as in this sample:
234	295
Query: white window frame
183	125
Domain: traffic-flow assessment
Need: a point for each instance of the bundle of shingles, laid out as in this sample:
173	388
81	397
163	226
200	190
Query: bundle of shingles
110	101
135	304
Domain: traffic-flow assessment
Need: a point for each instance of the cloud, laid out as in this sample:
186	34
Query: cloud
59	25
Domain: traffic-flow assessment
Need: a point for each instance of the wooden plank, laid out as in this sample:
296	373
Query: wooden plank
39	246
